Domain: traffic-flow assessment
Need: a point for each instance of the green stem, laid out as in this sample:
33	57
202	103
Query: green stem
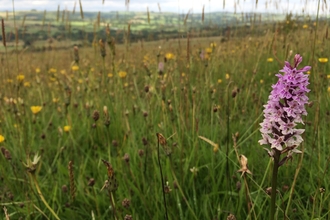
113	205
161	176
33	176
274	184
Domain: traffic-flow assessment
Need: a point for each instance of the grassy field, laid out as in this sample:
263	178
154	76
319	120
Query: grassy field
78	130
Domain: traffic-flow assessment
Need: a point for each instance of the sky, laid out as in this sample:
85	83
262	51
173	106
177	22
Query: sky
182	6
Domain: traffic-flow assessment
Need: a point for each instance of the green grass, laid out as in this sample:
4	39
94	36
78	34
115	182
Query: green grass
191	98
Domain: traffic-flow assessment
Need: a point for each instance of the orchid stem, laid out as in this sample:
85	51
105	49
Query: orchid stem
274	184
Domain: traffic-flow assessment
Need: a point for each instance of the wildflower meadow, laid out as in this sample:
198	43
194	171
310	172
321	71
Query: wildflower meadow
192	126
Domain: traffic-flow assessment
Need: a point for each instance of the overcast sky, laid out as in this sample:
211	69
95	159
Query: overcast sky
182	6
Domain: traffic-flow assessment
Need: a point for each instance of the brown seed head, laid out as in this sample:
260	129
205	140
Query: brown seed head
6	153
126	203
141	152
64	189
115	143
91	182
238	186
161	139
128	217
231	217
146	89
96	115
126	158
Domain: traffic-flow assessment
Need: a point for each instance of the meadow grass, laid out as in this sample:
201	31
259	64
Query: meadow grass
96	117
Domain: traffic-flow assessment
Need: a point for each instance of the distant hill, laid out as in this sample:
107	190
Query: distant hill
35	25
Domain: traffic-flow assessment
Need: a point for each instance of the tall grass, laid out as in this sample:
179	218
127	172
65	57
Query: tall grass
213	88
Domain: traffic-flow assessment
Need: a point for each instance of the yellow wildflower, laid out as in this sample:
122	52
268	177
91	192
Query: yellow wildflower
208	50
110	75
308	72
80	81
36	109
219	81
169	56
67	128
328	76
27	84
213	45
323	60
125	84
305	26
52	70
20	77
145	58
75	68
37	70
63	72
55	100
122	74
227	76
270	60
9	80
2	138
183	74
329	89
261	81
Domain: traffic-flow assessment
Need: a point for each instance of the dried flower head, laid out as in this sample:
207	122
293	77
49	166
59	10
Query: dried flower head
96	115
102	48
160	68
31	165
6	153
111	183
65	188
126	158
128	217
105	111
76	54
126	203
167	188
244	169
91	182
161	139
231	217
194	170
